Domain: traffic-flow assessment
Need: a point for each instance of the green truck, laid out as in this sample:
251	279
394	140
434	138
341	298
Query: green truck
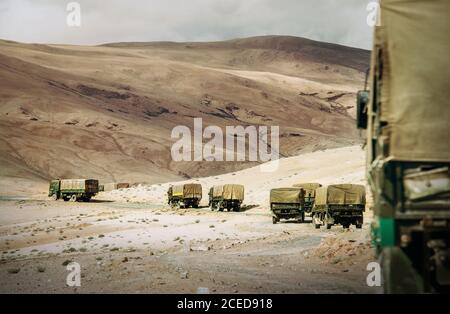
310	194
287	203
339	204
228	196
185	195
73	189
405	113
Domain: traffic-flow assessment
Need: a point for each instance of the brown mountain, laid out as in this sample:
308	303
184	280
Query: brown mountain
108	111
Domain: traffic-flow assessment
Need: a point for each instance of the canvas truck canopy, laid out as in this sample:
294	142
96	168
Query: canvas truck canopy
192	191
341	194
73	184
217	191
88	185
413	41
310	188
286	195
178	190
233	192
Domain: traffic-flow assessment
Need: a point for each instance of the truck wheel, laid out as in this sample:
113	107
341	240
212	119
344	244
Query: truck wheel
346	225
358	225
55	197
274	220
314	222
73	198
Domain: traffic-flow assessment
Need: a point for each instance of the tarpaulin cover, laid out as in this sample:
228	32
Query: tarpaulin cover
310	188
192	190
233	192
79	184
414	40
341	194
285	195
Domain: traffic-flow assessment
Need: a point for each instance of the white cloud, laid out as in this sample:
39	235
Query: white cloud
44	21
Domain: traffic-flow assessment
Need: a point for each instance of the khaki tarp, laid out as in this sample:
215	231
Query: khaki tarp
285	195
73	184
229	191
178	190
218	191
187	190
310	188
414	38
233	192
341	194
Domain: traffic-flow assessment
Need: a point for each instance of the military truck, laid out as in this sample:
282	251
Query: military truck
339	204
185	195
73	189
406	114
229	196
287	203
310	194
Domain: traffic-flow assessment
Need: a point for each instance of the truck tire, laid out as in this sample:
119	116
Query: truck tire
358	225
55	197
274	220
73	198
314	222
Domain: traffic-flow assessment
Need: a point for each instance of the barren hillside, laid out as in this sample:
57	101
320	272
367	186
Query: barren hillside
108	111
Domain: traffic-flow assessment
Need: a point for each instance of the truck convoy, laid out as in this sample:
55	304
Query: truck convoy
310	194
406	115
229	196
287	203
339	204
185	195
73	189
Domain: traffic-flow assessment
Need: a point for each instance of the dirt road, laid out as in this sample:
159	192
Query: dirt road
130	241
142	248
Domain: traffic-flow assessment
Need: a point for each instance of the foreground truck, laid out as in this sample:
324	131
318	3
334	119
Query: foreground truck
406	114
73	189
310	194
185	195
287	203
339	204
228	196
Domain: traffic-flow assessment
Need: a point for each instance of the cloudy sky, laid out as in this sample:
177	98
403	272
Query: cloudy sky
44	21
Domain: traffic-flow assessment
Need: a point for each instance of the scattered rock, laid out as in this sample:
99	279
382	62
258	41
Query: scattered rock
13	270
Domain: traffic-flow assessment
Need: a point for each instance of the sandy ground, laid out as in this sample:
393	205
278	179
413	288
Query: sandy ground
130	241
